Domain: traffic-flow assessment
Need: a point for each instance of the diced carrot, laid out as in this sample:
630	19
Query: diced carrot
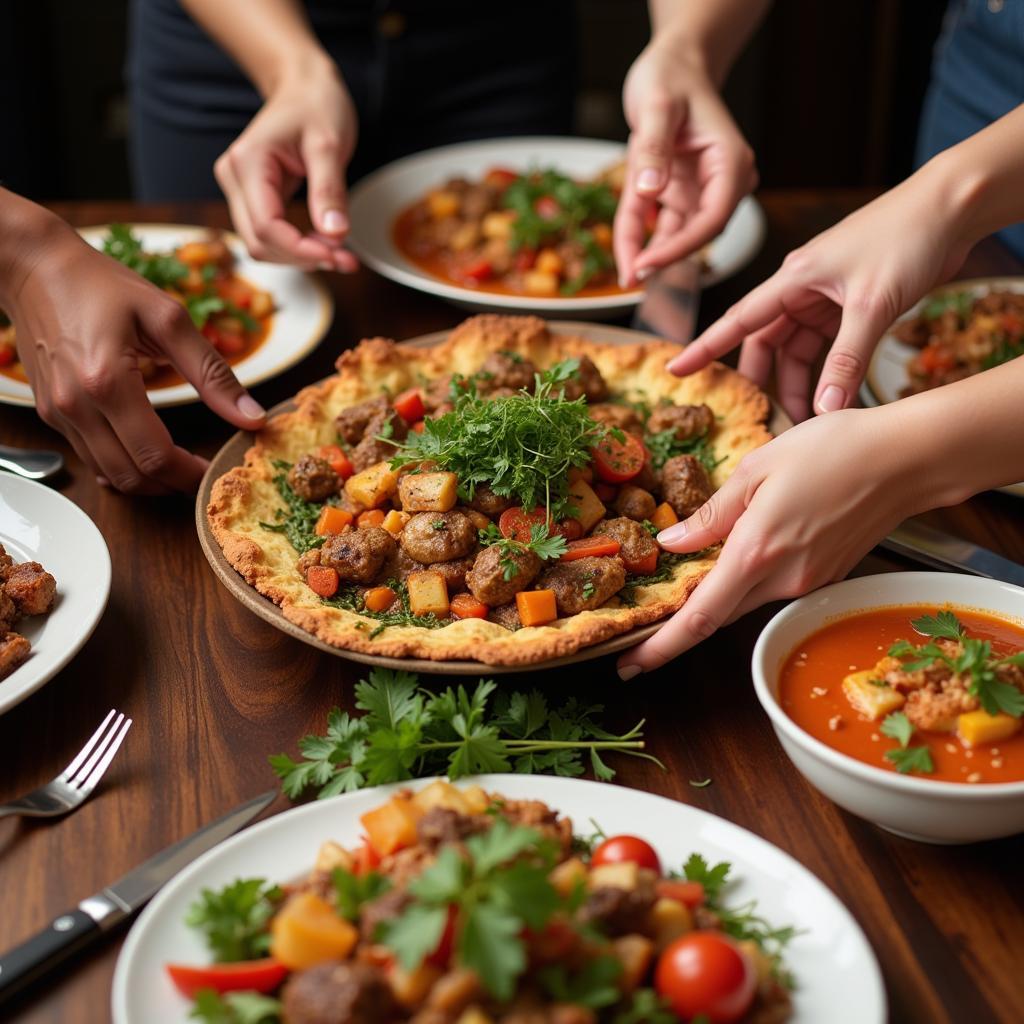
379	599
466	606
337	460
588	546
605	491
332	520
664	516
536	607
689	893
418	428
394	521
642	566
322	580
570	529
391	827
371	517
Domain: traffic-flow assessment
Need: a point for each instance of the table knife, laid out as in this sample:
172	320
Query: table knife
93	917
944	551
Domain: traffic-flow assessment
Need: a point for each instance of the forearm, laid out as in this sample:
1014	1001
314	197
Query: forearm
711	33
26	230
271	40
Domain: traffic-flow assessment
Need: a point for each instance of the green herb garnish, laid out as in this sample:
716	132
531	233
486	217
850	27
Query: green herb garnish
400	613
906	759
545	546
298	520
352	891
960	302
664	446
234	919
161	269
646	1007
235	1008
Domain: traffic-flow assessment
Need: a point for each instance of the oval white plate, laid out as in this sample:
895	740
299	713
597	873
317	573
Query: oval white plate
838	976
887	373
304	311
379	198
38	524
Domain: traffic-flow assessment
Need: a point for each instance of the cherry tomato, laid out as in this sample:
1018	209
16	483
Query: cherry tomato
337	459
619	849
409	405
516	522
479	270
251	975
547	207
443	953
706	973
617	461
690	894
500	177
525	259
570	529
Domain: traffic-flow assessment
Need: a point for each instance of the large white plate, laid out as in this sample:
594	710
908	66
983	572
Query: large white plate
39	525
838	976
379	198
304	310
887	373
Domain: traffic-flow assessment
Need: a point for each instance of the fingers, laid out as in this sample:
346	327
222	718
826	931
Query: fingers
628	232
848	358
326	160
795	363
758	352
653	142
712	522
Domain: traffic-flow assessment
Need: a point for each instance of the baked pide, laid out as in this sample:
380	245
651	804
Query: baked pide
493	498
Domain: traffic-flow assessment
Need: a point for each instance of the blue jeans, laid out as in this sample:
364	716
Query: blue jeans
977	77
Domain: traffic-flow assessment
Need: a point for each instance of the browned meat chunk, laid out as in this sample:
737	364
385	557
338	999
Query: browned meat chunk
8	611
442	825
454	572
588	381
438	537
309	558
619	911
686	420
634	502
399	565
385	431
635	543
437	396
5	562
312	479
339	993
685	484
351	423
358	555
14	650
622	417
583	584
486	501
385	908
934	707
506	370
487	580
506	615
31	588
537	815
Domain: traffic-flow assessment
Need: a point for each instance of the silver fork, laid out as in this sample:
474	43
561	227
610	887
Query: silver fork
72	787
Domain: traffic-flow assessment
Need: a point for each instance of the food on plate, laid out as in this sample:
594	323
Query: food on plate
493	498
233	315
939	694
959	334
26	590
460	906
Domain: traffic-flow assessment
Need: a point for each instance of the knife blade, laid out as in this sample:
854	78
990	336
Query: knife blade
944	551
97	914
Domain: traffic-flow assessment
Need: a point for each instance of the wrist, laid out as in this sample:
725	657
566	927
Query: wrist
27	233
299	69
684	51
961	189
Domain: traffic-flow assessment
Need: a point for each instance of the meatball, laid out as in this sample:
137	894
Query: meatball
438	537
623	417
14	650
506	370
620	911
588	381
686	420
486	501
507	615
634	502
584	583
338	993
386	424
441	825
358	555
685	484
399	565
31	588
635	543
312	479
454	572
487	581
307	560
385	908
8	611
437	396
351	423
5	562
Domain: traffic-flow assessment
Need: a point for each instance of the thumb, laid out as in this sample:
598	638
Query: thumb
325	160
653	142
847	360
712	522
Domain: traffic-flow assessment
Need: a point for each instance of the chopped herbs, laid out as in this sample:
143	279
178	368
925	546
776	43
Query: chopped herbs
897	727
235	1008
163	270
646	1007
906	759
399	614
960	302
664	446
297	521
541	543
352	891
234	918
1004	351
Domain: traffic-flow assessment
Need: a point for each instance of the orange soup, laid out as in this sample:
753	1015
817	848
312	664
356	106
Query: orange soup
939	699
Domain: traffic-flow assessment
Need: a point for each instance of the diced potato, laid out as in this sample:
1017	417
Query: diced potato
465	237
373	486
394	521
477	800
870	700
635	953
392	826
540	282
442	204
428	592
411	988
308	931
455	991
669	920
568	876
549	262
977	727
622	875
589	507
332	855
602	235
428	492
497	224
262	304
440	794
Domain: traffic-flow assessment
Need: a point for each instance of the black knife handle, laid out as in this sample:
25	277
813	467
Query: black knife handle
32	959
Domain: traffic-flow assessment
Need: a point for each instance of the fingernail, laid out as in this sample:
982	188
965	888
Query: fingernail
643	273
627	672
326	266
248	406
623	281
673	364
648	179
672	534
334	222
832	398
102	481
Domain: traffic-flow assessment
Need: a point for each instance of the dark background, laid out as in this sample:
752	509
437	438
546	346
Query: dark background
828	93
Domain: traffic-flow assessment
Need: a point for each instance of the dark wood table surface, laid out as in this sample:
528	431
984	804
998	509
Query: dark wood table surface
214	690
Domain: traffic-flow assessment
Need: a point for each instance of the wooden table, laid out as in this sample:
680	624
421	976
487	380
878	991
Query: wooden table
214	690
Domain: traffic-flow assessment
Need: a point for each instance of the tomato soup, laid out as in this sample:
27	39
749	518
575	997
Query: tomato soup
811	692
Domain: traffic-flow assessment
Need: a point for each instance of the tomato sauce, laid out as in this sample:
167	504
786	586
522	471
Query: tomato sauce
811	693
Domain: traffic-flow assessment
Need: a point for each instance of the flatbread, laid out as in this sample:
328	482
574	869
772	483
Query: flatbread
246	496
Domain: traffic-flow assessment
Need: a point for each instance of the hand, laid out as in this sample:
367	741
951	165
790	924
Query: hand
82	322
794	520
305	130
685	153
844	287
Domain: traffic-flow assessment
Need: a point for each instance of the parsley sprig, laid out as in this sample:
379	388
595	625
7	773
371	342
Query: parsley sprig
541	543
235	1008
409	732
906	758
162	269
664	445
234	919
297	520
352	891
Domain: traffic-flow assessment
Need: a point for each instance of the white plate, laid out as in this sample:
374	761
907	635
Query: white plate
887	373
378	199
838	976
39	525
304	310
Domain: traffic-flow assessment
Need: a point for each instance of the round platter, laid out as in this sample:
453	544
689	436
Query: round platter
380	197
233	454
303	314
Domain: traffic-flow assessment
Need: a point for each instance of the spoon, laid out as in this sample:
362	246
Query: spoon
33	465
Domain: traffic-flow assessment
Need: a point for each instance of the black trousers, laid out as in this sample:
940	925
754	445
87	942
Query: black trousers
422	73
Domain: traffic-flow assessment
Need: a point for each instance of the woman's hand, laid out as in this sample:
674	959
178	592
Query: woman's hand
843	288
82	323
686	156
798	513
306	129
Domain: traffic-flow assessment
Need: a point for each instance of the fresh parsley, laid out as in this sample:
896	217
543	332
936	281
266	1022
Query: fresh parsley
897	727
906	759
352	891
962	303
594	985
234	918
297	520
352	599
664	445
235	1008
162	269
544	545
646	1007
